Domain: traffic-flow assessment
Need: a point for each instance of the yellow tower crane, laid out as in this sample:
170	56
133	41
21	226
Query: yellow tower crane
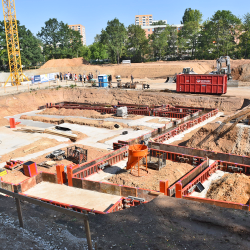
12	40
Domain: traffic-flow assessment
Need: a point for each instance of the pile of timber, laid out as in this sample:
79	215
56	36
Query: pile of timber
48	131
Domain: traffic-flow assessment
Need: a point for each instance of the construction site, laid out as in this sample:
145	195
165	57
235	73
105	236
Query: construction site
157	158
127	158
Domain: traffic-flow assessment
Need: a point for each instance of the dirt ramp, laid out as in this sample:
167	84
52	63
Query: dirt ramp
232	188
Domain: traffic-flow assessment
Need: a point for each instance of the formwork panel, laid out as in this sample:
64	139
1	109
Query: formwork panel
110	189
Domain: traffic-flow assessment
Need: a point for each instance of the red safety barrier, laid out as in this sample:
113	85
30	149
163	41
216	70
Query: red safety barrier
178	190
95	168
203	176
184	127
164	187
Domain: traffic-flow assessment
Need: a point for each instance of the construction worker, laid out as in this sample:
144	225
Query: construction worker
132	78
110	81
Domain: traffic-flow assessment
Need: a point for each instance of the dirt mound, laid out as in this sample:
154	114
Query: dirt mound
172	172
57	63
231	187
84	113
235	141
242	73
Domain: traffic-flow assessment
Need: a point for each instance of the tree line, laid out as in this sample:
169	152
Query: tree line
222	34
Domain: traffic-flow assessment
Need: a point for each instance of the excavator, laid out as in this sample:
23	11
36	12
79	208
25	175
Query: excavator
225	70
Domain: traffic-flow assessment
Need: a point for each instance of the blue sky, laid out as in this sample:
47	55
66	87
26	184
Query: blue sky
95	14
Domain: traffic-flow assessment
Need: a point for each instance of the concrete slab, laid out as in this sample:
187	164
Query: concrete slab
73	196
96	134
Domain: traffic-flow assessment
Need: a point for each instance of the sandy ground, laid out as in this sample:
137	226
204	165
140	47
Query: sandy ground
231	187
172	172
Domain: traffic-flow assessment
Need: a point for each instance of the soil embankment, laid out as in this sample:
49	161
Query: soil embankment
235	141
24	102
158	69
242	73
232	188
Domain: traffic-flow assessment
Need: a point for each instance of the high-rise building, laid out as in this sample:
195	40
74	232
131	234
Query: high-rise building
81	29
144	20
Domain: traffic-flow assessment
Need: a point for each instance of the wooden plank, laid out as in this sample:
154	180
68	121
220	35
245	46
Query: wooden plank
54	132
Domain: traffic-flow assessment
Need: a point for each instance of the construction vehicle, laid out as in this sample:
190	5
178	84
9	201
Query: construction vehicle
188	71
57	155
225	70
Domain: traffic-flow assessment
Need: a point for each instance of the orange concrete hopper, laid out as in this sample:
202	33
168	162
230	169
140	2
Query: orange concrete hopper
136	153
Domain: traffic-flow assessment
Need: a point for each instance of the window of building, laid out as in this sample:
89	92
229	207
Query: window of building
148	29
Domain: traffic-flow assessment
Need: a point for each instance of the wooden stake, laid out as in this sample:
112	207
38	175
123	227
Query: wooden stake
19	212
88	234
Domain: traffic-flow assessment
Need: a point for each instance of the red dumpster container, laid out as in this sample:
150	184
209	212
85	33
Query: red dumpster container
205	84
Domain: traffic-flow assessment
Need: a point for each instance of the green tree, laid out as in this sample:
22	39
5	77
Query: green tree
114	36
30	46
59	41
190	32
191	15
85	52
244	44
137	43
160	22
159	42
224	30
98	51
172	41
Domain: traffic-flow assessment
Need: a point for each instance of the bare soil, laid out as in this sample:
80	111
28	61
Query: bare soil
164	223
158	69
172	172
231	187
84	113
235	141
242	73
17	176
25	102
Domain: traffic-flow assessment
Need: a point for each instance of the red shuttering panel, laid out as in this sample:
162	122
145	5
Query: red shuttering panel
206	84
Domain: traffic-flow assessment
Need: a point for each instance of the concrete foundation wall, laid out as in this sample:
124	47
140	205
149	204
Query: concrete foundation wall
201	153
114	189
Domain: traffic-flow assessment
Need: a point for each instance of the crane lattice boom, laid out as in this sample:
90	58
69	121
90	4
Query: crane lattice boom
12	40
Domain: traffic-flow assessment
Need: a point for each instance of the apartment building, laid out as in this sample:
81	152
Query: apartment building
144	20
81	29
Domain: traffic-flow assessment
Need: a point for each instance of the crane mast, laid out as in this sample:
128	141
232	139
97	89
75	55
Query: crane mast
12	40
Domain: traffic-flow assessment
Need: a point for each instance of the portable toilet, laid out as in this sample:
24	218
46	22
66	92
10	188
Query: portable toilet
103	80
